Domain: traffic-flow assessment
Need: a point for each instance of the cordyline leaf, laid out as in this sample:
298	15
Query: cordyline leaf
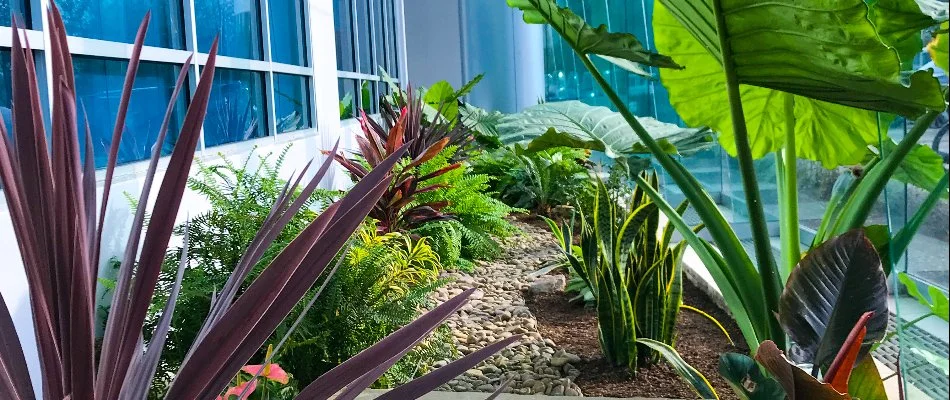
939	48
14	374
776	56
431	381
899	23
586	39
578	125
746	379
797	383
392	346
829	291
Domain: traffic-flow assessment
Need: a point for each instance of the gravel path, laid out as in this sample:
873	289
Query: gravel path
535	365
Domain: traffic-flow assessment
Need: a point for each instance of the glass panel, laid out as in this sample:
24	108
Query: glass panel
391	42
236	108
6	102
288	32
348	96
238	23
86	18
380	31
98	89
363	35
9	8
292	98
343	21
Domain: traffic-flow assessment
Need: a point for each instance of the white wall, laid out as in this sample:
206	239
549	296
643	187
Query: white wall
456	40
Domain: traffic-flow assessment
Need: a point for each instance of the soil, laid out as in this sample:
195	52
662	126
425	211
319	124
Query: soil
699	341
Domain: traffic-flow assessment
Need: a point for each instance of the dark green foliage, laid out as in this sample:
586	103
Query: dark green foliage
446	241
352	313
477	217
633	271
538	181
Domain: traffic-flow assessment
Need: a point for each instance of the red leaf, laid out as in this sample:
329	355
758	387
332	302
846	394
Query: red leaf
840	370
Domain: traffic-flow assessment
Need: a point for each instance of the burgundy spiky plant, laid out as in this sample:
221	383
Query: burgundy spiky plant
51	196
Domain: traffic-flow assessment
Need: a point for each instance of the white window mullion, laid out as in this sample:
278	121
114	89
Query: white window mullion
269	104
191	44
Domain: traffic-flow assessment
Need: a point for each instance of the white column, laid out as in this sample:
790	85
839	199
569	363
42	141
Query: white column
325	89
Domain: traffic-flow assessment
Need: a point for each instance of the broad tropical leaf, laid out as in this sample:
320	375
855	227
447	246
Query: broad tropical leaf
576	124
937	302
797	383
865	382
829	291
922	167
746	379
939	48
772	64
694	378
899	23
588	40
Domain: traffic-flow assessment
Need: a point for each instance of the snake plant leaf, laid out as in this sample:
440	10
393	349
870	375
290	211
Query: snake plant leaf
694	378
588	40
826	50
899	23
746	379
576	124
830	133
829	291
939	49
797	383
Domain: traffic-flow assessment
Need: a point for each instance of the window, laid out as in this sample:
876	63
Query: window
235	22
366	32
98	89
85	18
292	102
236	108
288	32
18	8
5	100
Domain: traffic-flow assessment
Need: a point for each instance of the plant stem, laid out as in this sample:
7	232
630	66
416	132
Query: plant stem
771	285
788	192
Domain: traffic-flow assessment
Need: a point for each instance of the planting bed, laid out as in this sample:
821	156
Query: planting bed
560	353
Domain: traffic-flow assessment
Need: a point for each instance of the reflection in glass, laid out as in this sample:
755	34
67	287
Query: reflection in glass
119	20
348	96
288	32
19	8
363	37
343	23
99	88
5	101
380	32
391	46
292	102
236	108
238	23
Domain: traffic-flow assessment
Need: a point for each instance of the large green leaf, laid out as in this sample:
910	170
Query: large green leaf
936	301
939	48
899	23
576	124
828	292
746	379
866	382
922	167
822	49
619	48
769	62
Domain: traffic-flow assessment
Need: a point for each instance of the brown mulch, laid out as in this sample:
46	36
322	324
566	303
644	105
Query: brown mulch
574	328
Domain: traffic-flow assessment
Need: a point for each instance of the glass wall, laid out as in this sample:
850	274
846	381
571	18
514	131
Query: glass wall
366	48
255	94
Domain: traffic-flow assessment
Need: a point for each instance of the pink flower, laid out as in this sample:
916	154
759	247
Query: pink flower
237	390
272	371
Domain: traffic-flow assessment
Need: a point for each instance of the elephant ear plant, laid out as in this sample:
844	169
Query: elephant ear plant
50	192
633	272
781	48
